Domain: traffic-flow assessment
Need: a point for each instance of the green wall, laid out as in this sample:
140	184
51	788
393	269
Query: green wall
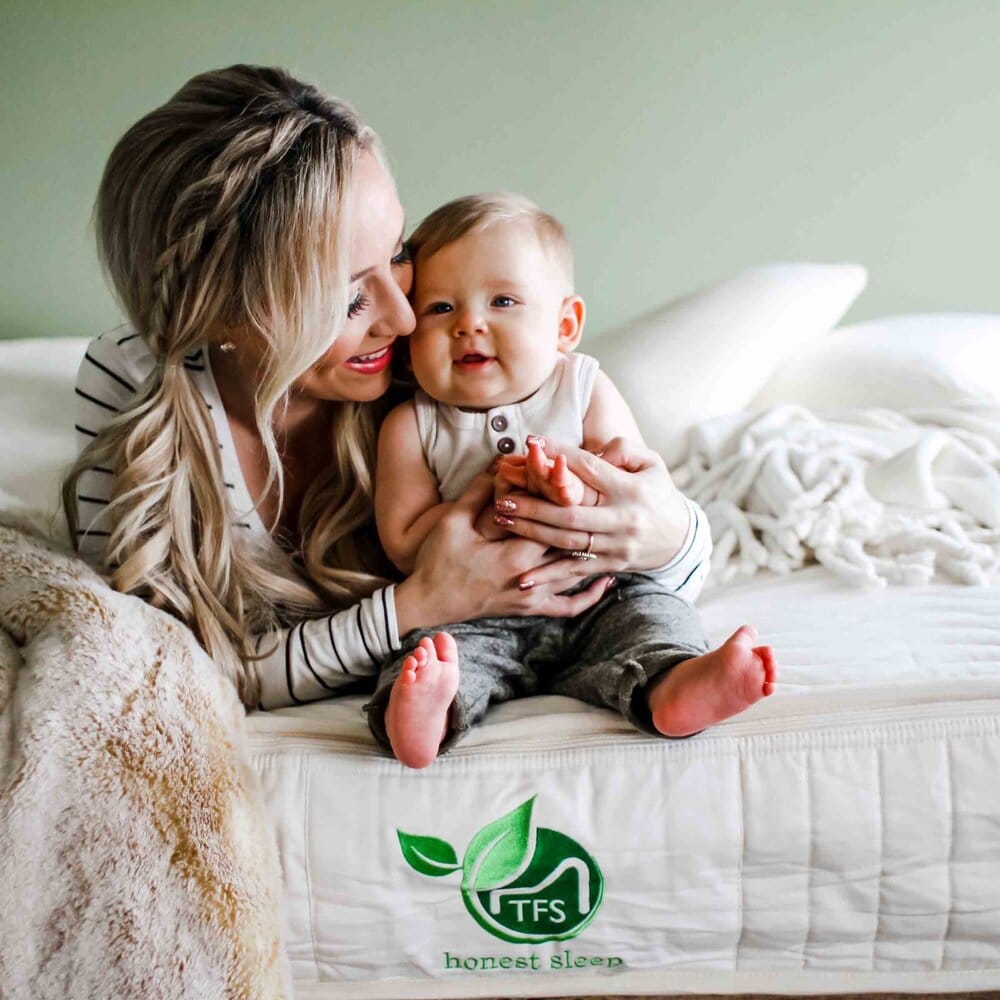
679	140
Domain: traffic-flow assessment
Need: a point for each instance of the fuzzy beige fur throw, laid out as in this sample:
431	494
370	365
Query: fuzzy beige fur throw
136	858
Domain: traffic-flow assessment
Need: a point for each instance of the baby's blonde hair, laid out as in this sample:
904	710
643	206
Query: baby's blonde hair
226	209
477	212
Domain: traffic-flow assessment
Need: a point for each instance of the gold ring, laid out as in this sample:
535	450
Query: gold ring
588	553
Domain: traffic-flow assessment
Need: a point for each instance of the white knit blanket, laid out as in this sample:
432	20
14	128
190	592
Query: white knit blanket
136	858
875	496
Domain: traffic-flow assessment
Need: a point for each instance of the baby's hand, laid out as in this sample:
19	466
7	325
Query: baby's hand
549	478
486	523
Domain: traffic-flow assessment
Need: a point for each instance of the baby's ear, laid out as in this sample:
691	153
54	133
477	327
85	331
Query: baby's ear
572	315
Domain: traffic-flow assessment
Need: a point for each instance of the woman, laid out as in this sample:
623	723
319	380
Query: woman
253	235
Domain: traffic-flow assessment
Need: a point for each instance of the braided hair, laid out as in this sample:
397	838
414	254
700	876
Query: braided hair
223	209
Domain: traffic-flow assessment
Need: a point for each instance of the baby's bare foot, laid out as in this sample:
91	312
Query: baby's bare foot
709	688
416	718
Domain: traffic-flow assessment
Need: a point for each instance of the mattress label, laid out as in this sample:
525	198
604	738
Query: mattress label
521	883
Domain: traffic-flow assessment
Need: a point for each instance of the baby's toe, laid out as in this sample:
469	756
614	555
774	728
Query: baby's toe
766	656
444	645
408	673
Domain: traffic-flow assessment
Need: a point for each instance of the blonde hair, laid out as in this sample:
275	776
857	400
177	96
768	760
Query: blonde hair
478	212
227	209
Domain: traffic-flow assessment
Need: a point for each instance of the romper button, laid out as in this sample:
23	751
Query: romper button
505	446
499	422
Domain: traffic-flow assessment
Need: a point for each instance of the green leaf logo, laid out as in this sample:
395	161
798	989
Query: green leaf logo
519	883
497	853
428	855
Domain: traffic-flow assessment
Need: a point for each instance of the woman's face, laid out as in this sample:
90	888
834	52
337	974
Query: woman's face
357	366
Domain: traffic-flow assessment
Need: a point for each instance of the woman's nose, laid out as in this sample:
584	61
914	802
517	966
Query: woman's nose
399	313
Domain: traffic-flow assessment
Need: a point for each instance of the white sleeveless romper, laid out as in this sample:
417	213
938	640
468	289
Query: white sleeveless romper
459	444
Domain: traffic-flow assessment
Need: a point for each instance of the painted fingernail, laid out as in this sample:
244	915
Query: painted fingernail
613	582
506	504
535	439
504	522
526	585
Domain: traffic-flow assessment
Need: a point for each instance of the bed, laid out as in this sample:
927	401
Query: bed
840	836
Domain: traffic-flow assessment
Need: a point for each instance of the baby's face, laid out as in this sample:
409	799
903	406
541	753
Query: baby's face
488	310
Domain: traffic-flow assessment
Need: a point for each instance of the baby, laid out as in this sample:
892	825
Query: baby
494	356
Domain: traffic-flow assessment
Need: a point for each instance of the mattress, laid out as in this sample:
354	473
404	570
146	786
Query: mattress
842	835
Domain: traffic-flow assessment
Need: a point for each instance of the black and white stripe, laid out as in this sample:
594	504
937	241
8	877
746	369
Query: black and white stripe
318	657
88	357
98	402
687	570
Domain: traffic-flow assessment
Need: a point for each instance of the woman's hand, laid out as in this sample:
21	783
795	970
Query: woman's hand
461	575
639	523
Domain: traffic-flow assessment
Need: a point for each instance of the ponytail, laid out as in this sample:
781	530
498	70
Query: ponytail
225	210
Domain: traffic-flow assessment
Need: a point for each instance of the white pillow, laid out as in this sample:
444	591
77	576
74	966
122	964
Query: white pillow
896	362
37	415
709	353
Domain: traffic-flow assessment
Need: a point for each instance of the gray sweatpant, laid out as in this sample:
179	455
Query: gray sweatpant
605	656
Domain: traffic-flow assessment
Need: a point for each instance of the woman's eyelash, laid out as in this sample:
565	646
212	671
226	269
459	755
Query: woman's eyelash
358	305
361	302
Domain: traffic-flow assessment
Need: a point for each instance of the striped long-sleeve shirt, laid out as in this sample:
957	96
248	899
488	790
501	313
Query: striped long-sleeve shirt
315	658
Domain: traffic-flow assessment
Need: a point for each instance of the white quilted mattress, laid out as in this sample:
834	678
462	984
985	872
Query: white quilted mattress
842	835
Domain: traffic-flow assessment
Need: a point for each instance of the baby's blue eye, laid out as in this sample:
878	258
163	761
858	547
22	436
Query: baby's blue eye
439	308
503	301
